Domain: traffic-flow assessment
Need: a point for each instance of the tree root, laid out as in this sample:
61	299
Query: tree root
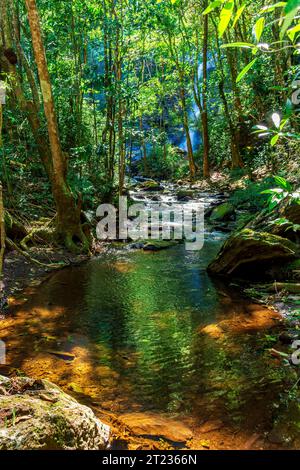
14	246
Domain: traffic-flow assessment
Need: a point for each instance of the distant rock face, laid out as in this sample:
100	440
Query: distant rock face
37	415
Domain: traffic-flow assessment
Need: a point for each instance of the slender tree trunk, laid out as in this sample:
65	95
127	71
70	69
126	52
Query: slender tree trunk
2	223
192	166
204	117
68	212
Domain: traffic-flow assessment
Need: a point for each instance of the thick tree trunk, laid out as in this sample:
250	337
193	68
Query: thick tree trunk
68	212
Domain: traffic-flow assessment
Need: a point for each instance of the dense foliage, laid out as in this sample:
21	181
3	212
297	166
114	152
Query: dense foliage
166	88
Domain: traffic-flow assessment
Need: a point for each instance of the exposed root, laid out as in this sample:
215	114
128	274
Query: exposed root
45	233
14	246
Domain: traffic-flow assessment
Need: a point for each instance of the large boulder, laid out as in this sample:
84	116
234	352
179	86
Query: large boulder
264	246
37	415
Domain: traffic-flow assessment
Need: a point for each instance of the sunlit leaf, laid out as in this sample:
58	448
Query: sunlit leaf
258	28
282	183
274	140
269	8
225	17
290	12
245	70
263	128
212	7
293	31
238	14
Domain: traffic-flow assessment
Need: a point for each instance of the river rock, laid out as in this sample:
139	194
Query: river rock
150	424
185	194
222	212
38	415
159	245
150	186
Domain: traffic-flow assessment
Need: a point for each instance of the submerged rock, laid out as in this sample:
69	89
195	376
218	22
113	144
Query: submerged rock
38	415
157	426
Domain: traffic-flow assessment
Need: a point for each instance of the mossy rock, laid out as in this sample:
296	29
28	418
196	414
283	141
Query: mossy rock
38	415
263	248
222	212
248	252
185	194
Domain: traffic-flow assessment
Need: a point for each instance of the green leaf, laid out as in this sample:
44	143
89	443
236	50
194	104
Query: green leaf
282	182
288	108
274	140
238	14
292	32
212	7
290	12
245	70
225	17
246	45
272	7
258	28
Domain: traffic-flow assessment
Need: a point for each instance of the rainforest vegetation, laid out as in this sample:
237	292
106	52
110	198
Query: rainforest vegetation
188	99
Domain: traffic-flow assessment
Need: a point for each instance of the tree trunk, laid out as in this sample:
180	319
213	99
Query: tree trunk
204	118
68	212
2	223
192	166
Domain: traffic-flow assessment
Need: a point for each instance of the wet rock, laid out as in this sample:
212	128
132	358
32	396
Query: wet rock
222	212
159	245
150	424
185	194
38	415
150	186
287	338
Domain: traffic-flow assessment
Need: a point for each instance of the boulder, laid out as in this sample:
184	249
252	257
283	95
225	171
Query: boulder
222	212
38	415
263	247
